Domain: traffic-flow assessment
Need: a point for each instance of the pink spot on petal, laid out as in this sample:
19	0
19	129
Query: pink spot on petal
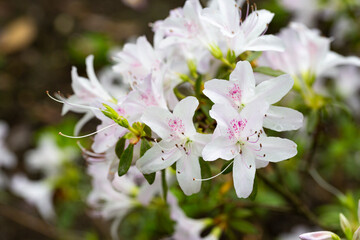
236	126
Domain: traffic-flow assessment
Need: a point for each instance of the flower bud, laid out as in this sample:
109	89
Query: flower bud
320	235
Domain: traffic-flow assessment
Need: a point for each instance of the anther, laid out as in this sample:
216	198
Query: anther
178	172
162	151
162	159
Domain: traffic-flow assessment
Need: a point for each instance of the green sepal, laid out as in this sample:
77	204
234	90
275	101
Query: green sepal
215	51
230	56
125	160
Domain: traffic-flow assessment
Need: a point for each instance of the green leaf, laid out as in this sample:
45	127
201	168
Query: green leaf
229	169
255	190
205	173
125	160
150	178
268	71
253	56
119	148
147	130
164	184
243	226
145	145
198	86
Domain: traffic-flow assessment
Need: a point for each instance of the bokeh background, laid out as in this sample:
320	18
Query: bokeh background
40	40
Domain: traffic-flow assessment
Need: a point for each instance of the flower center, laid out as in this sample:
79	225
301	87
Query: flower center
236	126
176	125
235	94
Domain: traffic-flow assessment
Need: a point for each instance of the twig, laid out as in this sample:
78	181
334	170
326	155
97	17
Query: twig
34	223
297	204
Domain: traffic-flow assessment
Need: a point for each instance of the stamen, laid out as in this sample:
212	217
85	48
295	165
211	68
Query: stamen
256	149
248	167
247	8
263	33
206	179
88	135
88	153
63	101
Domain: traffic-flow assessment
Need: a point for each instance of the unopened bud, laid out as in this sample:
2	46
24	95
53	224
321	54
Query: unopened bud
216	51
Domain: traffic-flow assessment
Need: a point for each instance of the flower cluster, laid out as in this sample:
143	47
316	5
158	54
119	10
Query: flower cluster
192	96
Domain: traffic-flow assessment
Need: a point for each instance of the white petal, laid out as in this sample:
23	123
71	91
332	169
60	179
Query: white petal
216	90
266	43
188	169
333	59
185	110
156	118
244	76
276	149
223	114
320	235
152	160
261	164
255	24
244	173
274	89
200	140
283	119
220	147
254	113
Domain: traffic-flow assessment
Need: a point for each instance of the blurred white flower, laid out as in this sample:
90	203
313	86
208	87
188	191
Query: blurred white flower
188	228
7	158
113	197
36	193
307	55
48	157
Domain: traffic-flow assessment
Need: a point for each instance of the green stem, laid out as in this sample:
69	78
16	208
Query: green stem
164	184
297	204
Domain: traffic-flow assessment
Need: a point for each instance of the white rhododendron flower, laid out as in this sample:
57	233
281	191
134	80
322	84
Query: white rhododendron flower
180	143
307	54
240	90
242	35
239	136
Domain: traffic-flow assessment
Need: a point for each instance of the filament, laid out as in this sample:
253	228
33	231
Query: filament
206	179
87	135
63	101
87	152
